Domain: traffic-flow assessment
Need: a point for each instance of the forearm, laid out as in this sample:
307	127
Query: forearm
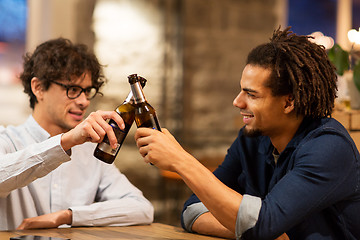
117	212
20	168
162	150
220	200
207	224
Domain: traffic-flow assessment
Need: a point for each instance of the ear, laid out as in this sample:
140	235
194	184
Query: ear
36	88
289	104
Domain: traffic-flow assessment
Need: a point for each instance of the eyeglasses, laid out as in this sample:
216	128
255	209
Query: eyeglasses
74	91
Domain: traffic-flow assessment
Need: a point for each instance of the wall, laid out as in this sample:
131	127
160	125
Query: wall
217	37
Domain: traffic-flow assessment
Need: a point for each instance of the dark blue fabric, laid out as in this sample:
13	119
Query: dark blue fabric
313	190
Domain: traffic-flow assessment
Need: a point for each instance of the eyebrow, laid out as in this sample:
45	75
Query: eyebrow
248	90
77	85
67	86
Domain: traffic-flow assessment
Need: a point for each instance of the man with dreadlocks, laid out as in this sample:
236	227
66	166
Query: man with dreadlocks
293	172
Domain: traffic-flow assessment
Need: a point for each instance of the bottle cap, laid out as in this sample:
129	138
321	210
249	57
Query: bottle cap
133	78
142	81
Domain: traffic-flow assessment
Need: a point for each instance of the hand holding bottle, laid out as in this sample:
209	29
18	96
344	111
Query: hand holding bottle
160	148
92	129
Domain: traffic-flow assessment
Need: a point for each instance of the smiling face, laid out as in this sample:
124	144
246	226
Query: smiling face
263	113
55	112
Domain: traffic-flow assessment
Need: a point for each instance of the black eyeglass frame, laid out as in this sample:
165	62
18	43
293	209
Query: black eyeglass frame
83	90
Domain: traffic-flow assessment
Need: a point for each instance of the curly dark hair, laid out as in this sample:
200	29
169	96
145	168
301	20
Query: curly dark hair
59	59
299	68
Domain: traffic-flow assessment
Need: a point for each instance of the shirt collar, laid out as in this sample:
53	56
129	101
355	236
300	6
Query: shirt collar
35	130
305	127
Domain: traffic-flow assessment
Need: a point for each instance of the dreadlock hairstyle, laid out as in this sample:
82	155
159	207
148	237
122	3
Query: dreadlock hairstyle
300	68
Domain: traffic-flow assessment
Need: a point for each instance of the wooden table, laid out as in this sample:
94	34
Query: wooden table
153	231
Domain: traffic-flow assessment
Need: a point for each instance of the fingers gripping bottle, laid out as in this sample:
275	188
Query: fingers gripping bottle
126	110
145	115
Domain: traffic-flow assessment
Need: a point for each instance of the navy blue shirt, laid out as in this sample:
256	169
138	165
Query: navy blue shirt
312	192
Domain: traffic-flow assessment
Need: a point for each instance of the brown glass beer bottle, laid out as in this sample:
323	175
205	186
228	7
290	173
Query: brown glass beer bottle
126	110
145	115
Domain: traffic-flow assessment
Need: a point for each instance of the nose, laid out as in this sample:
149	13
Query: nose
82	100
239	101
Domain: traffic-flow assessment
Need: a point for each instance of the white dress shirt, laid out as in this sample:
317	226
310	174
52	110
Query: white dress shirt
38	177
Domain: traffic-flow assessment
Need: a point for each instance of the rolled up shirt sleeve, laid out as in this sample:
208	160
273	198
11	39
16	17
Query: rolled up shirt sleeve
191	213
247	215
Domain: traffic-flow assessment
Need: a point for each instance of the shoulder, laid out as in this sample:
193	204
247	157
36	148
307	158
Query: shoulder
13	137
327	131
29	129
11	130
327	142
330	125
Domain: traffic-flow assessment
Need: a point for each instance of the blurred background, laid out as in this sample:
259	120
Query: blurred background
192	53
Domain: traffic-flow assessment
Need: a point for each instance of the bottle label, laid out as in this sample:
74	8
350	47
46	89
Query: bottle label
105	147
153	122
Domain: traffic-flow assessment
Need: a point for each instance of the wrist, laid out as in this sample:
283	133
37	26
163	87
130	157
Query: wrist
66	217
65	141
186	165
207	224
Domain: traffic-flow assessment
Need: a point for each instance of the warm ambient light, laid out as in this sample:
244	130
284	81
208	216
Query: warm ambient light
354	36
320	39
121	21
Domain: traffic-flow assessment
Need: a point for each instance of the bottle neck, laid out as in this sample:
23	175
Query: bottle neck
138	93
134	79
129	98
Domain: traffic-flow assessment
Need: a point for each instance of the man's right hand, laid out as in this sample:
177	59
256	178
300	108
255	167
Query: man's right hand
93	129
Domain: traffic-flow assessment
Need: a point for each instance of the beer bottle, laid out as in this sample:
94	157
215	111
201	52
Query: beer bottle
145	115
126	110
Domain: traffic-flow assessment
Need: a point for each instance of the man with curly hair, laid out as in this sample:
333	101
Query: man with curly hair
48	174
293	172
